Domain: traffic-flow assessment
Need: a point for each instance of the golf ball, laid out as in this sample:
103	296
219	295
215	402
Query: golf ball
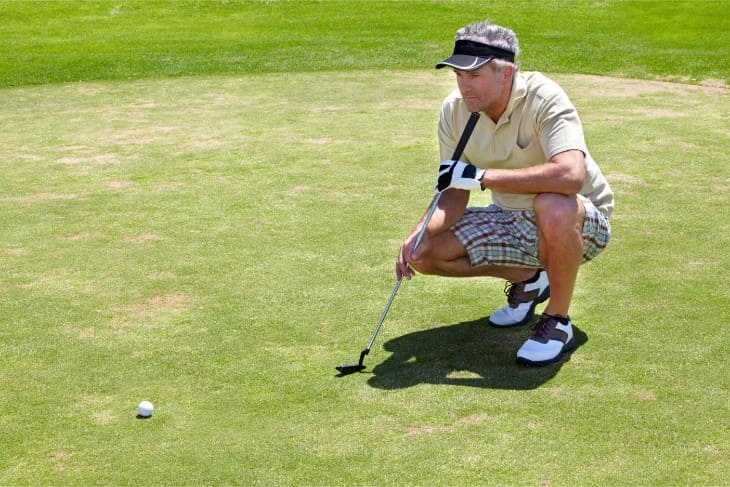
145	409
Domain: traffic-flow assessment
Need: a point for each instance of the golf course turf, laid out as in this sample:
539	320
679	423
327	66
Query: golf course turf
202	202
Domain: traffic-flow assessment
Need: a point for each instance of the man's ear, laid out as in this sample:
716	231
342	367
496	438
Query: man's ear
507	73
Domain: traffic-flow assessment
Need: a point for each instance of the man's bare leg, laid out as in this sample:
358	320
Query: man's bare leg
444	255
560	222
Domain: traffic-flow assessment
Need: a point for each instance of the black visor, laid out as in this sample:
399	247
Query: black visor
471	55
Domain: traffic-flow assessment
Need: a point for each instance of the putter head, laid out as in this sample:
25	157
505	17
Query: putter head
349	368
352	368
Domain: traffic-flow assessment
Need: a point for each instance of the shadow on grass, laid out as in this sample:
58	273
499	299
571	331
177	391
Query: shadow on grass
470	354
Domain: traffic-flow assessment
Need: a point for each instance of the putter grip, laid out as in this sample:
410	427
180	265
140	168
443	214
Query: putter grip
460	146
468	129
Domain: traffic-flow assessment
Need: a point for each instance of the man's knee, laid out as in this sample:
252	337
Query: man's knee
429	261
439	254
555	211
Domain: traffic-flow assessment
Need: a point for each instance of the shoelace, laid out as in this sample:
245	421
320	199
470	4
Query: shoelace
514	291
541	330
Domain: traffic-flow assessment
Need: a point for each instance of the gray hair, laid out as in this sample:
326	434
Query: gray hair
494	35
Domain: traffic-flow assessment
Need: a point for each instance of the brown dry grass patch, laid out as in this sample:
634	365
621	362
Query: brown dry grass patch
141	239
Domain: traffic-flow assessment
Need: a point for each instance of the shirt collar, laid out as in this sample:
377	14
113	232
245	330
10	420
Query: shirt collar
519	91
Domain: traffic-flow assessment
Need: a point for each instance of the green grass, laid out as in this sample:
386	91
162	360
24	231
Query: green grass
218	243
44	42
163	243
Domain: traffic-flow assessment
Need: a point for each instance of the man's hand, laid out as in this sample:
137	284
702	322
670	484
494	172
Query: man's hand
408	255
459	175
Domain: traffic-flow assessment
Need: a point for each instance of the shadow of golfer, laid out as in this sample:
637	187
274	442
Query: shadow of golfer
467	354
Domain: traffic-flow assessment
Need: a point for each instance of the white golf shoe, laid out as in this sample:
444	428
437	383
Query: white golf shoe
551	336
522	297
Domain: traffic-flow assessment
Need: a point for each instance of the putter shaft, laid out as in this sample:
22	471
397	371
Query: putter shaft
460	146
419	237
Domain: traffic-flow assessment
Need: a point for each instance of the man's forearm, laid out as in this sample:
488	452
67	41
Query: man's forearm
563	174
449	211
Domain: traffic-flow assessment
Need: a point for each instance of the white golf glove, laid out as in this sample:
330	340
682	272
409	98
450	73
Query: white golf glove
460	175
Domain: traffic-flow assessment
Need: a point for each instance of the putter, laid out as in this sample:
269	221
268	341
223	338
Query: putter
348	369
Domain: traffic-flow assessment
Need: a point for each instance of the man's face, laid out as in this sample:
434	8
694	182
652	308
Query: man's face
483	90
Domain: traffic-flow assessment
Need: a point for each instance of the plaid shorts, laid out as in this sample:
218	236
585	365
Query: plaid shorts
508	238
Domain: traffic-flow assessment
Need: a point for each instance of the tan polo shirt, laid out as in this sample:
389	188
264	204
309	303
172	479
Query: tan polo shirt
539	122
